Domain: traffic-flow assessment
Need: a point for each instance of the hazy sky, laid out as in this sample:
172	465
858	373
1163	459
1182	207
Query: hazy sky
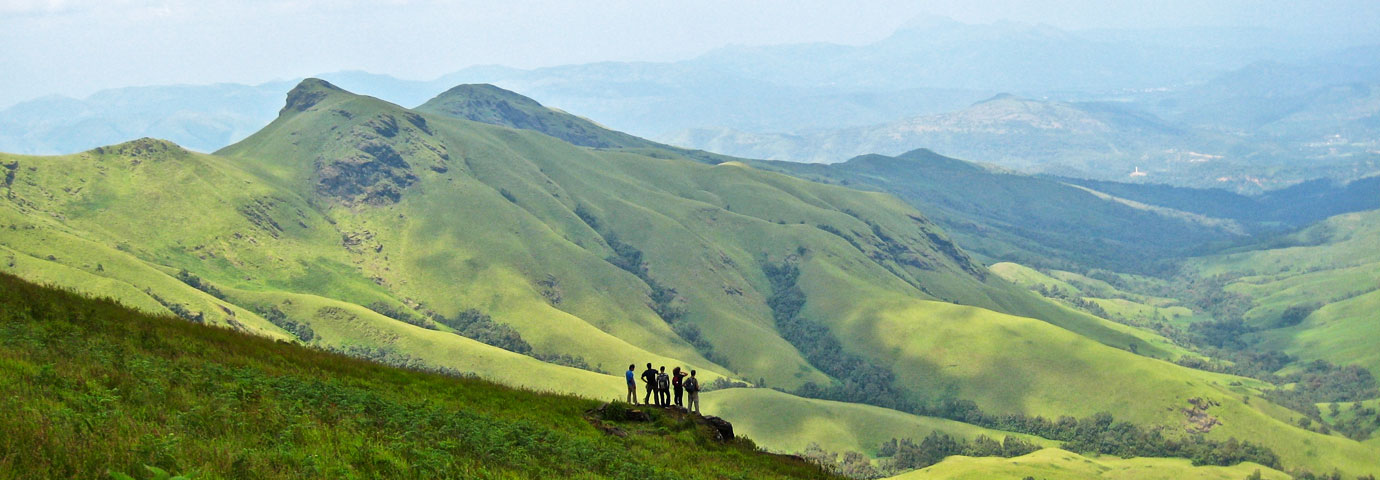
74	47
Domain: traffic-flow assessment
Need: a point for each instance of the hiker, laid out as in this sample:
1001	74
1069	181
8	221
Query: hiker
692	386
649	381
632	384
676	378
663	388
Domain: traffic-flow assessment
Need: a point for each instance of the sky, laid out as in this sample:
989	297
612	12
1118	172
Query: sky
75	47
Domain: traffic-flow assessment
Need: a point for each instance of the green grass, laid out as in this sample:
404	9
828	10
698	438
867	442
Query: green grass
789	424
1125	307
92	386
1333	266
1056	464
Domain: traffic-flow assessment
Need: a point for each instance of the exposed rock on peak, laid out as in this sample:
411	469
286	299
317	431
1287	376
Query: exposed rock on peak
143	147
307	94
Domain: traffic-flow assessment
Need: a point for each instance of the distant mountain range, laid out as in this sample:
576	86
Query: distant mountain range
1092	139
745	100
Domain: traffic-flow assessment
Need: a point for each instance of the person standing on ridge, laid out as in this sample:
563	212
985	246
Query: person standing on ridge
692	387
663	388
649	380
632	384
676	378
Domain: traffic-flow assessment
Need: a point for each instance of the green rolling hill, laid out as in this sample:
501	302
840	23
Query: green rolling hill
1313	292
416	237
1055	464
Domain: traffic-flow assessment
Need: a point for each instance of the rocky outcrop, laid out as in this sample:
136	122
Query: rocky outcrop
307	94
605	416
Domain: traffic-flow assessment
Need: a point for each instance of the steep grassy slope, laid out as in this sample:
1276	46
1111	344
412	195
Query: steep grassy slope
1316	290
508	109
589	257
93	386
1055	464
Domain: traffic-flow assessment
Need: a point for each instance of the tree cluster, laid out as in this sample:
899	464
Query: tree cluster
276	316
856	379
196	282
480	326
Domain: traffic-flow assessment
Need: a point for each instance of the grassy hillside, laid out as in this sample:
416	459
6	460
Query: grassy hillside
1055	464
788	423
96	387
1101	298
1315	291
420	239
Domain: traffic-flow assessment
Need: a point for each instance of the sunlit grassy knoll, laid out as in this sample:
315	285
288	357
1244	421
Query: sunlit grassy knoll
939	349
1056	464
785	423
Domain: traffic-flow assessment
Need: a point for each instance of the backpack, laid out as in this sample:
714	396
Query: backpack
663	382
692	385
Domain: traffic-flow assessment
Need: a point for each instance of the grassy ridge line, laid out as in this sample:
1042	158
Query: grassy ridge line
94	386
1056	464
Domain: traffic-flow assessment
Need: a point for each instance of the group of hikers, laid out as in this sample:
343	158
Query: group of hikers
660	383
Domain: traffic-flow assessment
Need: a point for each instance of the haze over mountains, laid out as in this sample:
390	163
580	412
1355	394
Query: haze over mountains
1191	106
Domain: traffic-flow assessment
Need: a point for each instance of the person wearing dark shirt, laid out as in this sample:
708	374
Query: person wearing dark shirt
677	377
649	381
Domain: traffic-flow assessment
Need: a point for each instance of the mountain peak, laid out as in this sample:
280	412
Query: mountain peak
493	105
1000	97
145	147
480	91
309	93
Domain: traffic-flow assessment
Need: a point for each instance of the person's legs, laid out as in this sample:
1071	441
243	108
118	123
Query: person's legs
632	393
679	396
695	401
648	396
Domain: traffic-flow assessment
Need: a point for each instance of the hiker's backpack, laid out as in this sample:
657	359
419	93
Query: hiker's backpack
663	382
692	385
